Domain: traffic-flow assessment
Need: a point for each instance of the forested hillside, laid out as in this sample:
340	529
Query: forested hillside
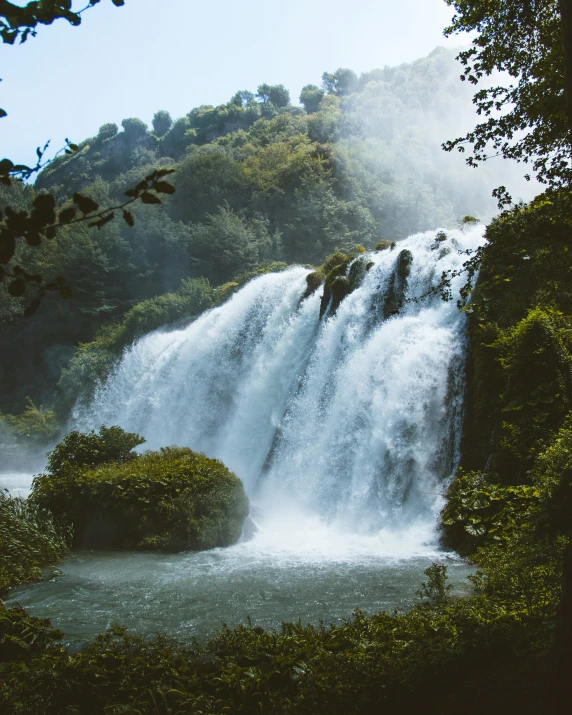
258	180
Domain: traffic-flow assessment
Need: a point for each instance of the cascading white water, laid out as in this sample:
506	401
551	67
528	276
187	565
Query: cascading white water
343	430
340	427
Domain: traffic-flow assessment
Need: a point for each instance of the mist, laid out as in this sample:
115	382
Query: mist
391	142
256	185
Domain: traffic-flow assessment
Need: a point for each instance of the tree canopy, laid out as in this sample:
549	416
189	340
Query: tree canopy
254	185
43	219
525	118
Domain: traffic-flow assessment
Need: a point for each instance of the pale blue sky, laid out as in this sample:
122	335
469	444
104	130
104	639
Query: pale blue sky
134	60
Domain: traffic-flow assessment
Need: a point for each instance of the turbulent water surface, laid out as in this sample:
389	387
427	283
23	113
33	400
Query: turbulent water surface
342	429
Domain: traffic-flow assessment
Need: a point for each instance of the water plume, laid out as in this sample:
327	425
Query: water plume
348	423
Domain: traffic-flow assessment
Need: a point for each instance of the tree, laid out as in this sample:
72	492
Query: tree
227	243
275	94
279	95
107	131
45	218
526	119
263	93
529	120
134	128
310	97
342	82
173	143
162	122
243	98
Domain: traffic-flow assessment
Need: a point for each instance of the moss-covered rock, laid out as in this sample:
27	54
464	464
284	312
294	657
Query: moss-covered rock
174	499
335	262
404	263
334	268
358	269
394	297
384	245
313	281
340	287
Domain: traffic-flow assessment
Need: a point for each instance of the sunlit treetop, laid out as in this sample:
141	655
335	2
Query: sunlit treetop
525	118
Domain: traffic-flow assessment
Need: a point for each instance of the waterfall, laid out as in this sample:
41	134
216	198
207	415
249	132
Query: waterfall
350	421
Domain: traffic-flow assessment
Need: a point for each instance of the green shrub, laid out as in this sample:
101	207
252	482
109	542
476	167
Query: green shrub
536	361
174	499
29	540
519	360
428	660
523	572
552	474
80	449
469	220
34	423
23	637
30	431
477	508
436	588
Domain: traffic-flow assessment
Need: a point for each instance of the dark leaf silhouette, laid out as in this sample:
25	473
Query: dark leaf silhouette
148	198
85	204
162	187
128	217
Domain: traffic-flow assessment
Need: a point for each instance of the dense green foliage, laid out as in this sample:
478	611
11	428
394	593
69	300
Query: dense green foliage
520	383
525	119
26	433
29	540
257	180
434	659
509	508
174	499
89	450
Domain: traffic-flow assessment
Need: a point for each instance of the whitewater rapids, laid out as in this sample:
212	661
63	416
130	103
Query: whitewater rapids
342	429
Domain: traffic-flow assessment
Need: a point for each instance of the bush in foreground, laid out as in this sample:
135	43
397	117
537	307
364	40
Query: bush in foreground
174	499
470	656
29	540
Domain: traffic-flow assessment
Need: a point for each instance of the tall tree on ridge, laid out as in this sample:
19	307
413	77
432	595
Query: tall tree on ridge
526	120
530	121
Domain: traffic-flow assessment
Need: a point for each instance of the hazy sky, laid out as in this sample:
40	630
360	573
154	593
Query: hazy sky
177	54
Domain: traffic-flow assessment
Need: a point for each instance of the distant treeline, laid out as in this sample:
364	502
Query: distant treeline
257	180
